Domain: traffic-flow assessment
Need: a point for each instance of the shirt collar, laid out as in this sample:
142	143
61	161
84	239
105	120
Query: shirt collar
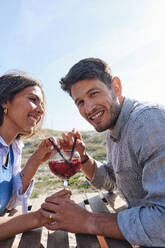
2	142
17	144
127	108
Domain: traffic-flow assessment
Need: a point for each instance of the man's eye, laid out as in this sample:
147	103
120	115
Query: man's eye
80	102
94	93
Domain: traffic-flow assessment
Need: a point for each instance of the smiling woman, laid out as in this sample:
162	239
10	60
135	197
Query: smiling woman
25	110
22	107
16	90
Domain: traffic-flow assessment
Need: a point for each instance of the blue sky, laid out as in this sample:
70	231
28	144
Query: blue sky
45	38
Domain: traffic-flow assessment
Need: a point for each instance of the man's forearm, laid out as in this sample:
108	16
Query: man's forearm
106	225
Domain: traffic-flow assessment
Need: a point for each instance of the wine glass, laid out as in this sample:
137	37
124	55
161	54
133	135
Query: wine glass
66	166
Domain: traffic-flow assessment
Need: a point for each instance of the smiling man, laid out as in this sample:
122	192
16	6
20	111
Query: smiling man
97	105
135	159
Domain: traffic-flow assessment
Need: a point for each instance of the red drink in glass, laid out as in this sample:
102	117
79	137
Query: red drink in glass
64	170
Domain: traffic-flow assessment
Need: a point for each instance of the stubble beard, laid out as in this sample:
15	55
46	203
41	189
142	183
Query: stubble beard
114	112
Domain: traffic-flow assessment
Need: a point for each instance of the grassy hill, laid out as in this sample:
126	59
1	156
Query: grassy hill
45	181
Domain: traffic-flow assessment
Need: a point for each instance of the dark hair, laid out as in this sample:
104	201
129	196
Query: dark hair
89	68
13	83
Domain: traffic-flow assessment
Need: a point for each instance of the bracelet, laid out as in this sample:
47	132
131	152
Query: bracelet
86	159
23	176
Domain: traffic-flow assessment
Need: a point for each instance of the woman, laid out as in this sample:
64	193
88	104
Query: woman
22	108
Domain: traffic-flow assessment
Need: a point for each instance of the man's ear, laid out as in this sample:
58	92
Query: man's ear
116	86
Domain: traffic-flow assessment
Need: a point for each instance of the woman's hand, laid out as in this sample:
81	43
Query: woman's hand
42	154
44	151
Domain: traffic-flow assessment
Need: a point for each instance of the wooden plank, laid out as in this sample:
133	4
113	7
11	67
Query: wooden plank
116	243
58	239
97	205
86	240
116	202
31	239
7	243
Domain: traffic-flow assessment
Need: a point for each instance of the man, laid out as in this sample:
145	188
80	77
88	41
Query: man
135	159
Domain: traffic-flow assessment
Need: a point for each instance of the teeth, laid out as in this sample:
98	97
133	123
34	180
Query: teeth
32	118
97	115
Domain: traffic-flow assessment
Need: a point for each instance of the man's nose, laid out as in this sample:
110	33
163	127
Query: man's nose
89	106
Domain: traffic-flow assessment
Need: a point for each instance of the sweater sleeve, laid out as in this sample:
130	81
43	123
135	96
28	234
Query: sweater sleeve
104	177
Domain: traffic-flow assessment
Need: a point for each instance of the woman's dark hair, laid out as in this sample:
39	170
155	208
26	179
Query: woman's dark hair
89	68
12	83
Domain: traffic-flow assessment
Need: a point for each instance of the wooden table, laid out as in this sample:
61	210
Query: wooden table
42	238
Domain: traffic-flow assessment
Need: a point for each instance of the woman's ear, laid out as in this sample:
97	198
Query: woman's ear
5	105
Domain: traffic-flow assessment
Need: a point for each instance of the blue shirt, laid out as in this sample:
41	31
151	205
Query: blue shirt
136	164
6	182
17	198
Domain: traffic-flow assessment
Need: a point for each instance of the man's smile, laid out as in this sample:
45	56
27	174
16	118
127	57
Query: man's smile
96	116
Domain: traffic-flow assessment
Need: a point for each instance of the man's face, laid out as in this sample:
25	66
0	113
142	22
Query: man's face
97	103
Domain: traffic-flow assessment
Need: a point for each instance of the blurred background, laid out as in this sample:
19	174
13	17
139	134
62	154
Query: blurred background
45	38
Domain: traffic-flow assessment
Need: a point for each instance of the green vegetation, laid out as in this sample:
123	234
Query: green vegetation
45	181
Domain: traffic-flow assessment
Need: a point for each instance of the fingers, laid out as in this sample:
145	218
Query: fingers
61	193
47	208
46	149
52	202
56	200
51	140
51	223
45	144
67	139
42	153
76	133
53	226
66	142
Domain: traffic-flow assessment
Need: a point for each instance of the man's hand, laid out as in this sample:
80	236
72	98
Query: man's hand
67	215
64	193
66	142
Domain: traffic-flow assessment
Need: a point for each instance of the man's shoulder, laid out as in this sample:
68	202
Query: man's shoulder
145	110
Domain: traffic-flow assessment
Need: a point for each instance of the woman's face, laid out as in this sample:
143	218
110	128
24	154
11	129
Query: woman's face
25	110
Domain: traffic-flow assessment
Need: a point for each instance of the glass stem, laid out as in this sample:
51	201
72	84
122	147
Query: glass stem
66	181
